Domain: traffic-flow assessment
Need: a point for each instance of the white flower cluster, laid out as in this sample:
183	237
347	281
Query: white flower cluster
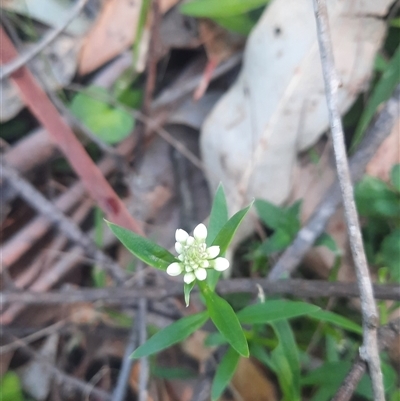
194	256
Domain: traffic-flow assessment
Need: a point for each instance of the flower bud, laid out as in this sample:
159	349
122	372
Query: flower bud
200	273
174	269
189	278
200	232
181	235
213	251
221	264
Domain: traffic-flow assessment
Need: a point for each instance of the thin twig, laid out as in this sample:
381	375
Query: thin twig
386	335
70	229
60	376
128	296
176	92
13	346
152	57
142	335
164	134
374	136
12	66
126	366
369	351
137	336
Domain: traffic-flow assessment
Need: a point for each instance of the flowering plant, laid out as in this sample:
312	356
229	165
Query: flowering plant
200	259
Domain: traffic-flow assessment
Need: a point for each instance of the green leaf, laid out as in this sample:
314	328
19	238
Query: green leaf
224	373
382	91
327	241
286	359
271	215
172	334
277	242
330	375
224	318
218	215
241	23
375	199
273	310
10	388
146	250
109	123
187	288
258	352
220	8
227	232
395	177
285	221
395	22
172	373
389	253
215	339
331	317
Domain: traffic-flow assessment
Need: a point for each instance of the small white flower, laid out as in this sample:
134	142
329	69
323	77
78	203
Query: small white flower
174	269
194	256
200	232
181	236
200	274
178	247
221	264
213	251
189	278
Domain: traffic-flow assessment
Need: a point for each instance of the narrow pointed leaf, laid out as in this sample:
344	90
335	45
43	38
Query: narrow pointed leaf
331	317
218	215
273	310
224	318
171	335
227	232
187	288
287	360
224	373
146	250
221	8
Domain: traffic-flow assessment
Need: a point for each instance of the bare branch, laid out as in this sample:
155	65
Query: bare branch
137	336
386	335
70	229
128	296
61	377
12	66
369	351
374	136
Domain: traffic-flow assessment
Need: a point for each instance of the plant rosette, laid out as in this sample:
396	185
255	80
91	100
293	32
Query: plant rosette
195	258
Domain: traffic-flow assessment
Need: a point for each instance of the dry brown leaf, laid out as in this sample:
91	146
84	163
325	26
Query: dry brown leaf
386	156
251	383
219	45
112	33
194	346
115	31
166	5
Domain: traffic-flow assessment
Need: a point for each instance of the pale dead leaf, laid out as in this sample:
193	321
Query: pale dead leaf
277	106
